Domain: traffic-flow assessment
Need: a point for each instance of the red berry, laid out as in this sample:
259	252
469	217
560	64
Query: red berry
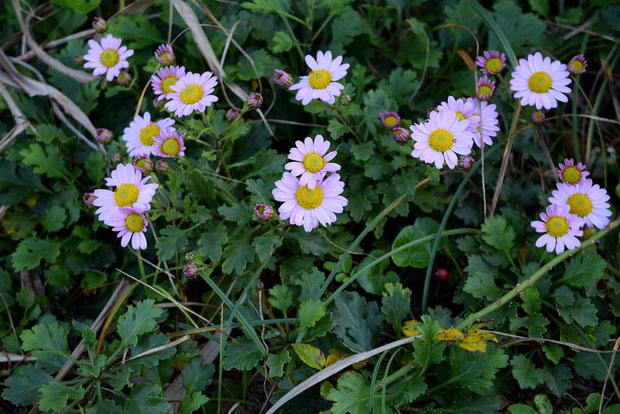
441	274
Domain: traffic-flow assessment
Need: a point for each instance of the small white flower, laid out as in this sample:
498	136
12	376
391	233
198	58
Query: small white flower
321	83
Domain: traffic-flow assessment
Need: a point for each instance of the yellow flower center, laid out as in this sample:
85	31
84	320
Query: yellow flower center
191	94
134	222
309	199
166	57
319	79
441	140
171	147
109	57
167	82
460	116
557	226
313	162
390	120
125	195
539	82
580	204
148	133
143	164
493	65
576	65
571	175
484	90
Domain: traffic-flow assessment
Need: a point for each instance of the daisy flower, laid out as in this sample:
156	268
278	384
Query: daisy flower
306	207
263	212
401	134
390	119
140	135
169	144
538	118
561	229
464	110
586	200
577	65
440	138
131	191
311	160
321	83
192	92
492	62
143	163
571	173
488	121
164	54
107	57
131	225
485	89
164	78
540	82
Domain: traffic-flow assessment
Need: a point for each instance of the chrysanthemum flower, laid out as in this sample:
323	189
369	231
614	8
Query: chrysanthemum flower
306	207
571	173
104	135
577	65
439	139
390	119
488	121
322	82
140	135
586	200
164	54
538	118
164	78
401	134
255	100
131	225
311	161
263	212
283	79
485	89
168	144
492	62
540	82
192	92
143	163
190	270
107	57
463	109
100	25
561	229
467	162
131	191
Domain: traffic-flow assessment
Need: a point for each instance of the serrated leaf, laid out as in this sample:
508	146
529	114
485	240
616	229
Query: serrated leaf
32	250
280	298
17	184
22	387
55	394
358	323
396	303
265	245
54	219
95	166
243	356
138	320
282	42
47	161
192	402
211	242
352	395
450	334
276	363
584	268
309	282
171	239
310	355
197	376
427	350
496	233
146	399
309	313
476	371
148	342
410	328
47	340
525	373
80	6
238	253
557	378
482	285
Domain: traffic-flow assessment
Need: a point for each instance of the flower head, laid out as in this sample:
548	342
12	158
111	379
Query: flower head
232	114
100	25
130	224
169	144
311	160
586	200
390	120
492	62
577	65
131	190
161	166
485	89
322	82
143	163
561	229
441	138
306	207
190	270
538	118
464	110
283	79
192	92
124	78
263	212
140	135
255	100
488	122
466	162
571	173
104	135
164	78
540	82
401	134
164	54
107	56
88	199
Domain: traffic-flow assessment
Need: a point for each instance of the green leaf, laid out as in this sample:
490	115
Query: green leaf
80	6
237	254
475	370
95	166
197	376
239	213
427	349
553	352
138	320
336	128
417	256
46	161
584	268
540	6
55	394
496	233
22	387
47	133
309	313
352	395
17	184
309	282
136	31
146	399
148	342
310	243
482	285
264	6
243	356
47	340
557	378
55	217
531	300
543	404
192	402
280	298
281	42
170	240
520	29
345	28
276	363
57	276
310	355
32	250
265	245
525	373
357	322
521	409
396	303
211	242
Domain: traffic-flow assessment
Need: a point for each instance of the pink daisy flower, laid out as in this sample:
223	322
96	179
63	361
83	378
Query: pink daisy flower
311	161
192	92
577	65
463	109
306	207
140	135
561	229
485	89
390	120
571	173
164	54
131	225
107	57
586	200
322	82
131	191
164	78
492	62
488	121
169	144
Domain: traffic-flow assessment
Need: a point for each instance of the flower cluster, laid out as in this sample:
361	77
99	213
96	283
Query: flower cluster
575	203
314	197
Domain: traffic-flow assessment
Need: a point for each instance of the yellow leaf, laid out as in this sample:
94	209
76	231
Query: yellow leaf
477	326
487	336
410	328
450	334
310	355
360	364
334	356
473	342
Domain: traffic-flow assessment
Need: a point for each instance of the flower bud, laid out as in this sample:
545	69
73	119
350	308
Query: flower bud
255	100
100	25
538	118
161	166
466	162
190	270
143	163
263	212
165	55
401	134
232	113
344	99
283	79
116	157
88	199
124	78
104	135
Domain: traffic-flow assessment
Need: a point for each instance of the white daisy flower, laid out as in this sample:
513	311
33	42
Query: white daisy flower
540	82
321	83
488	121
107	57
131	225
311	161
587	200
140	135
440	138
464	110
560	227
192	92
